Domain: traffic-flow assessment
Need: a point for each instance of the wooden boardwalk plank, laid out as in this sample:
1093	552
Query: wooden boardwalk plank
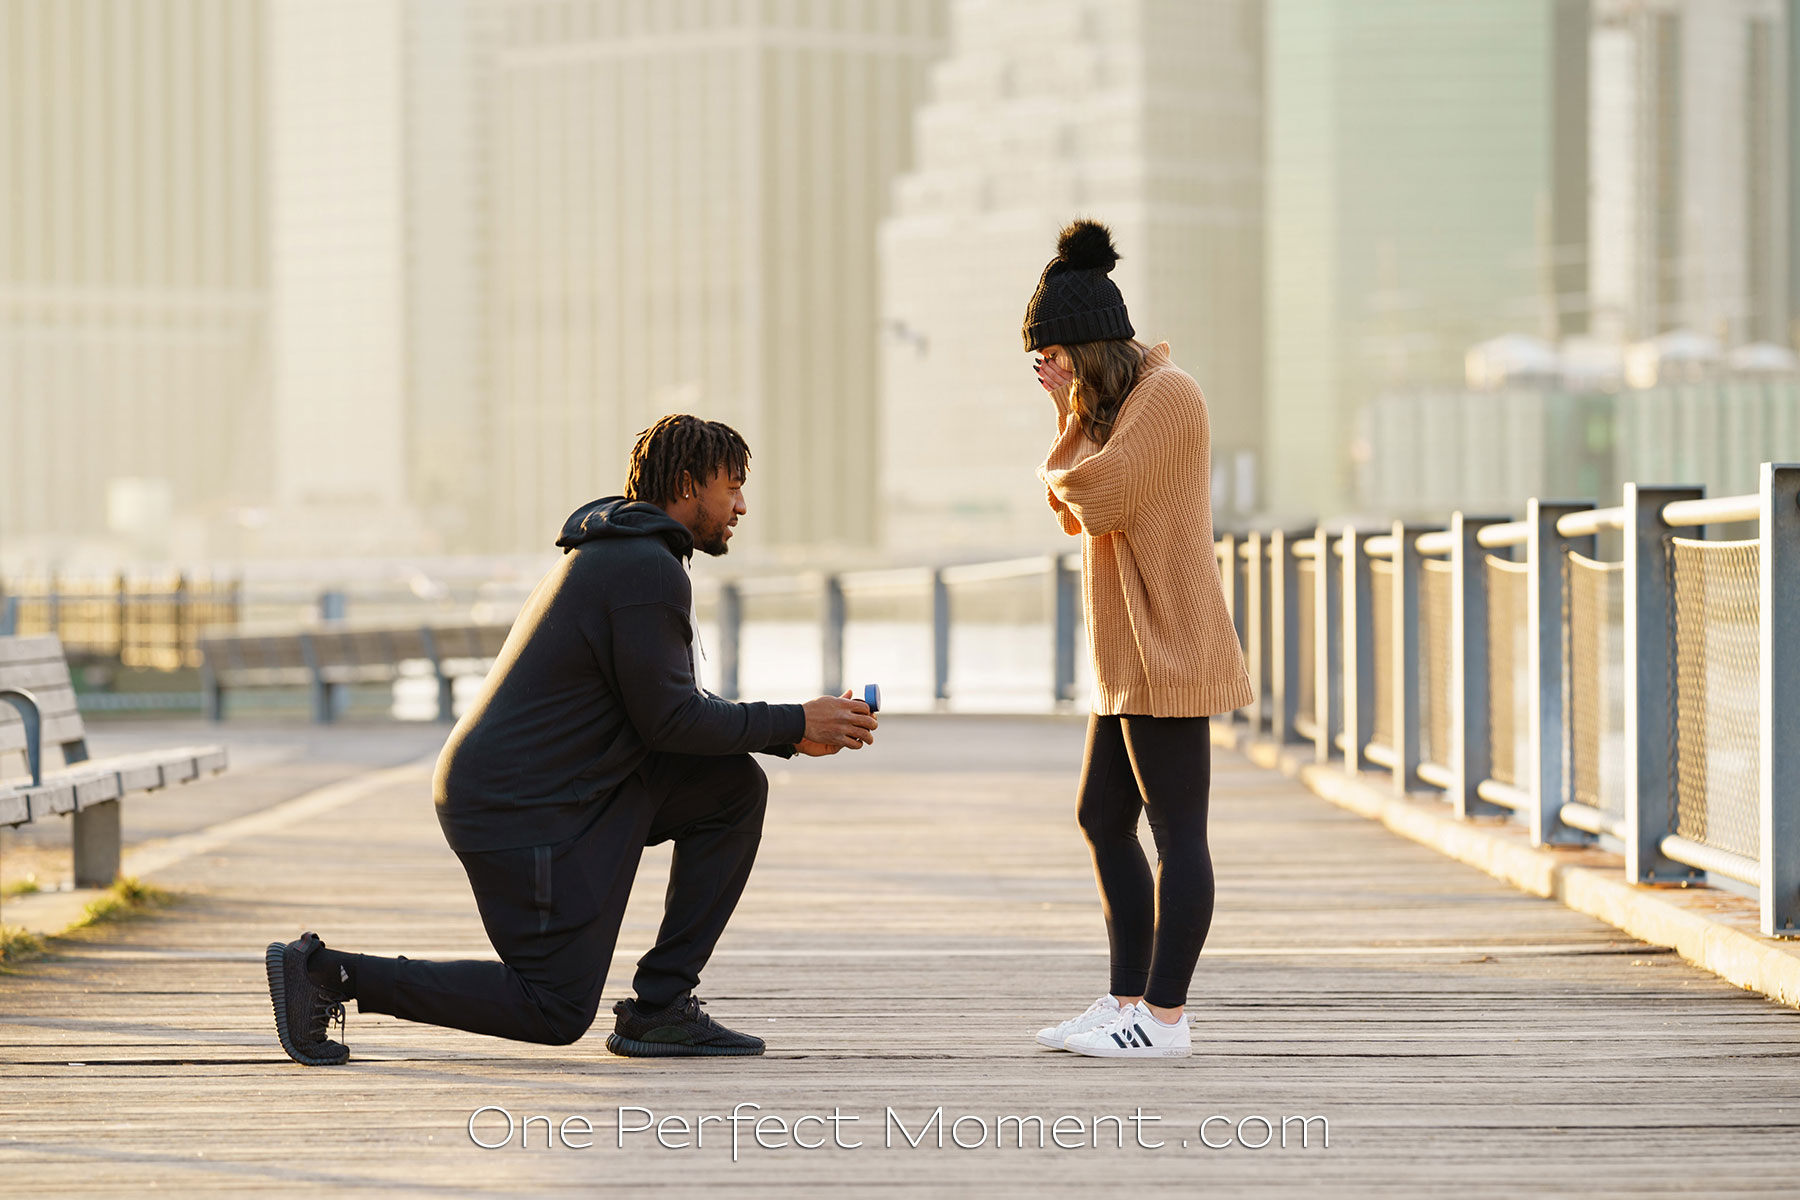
917	911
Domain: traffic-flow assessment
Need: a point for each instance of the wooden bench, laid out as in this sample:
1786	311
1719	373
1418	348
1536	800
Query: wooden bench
328	659
38	711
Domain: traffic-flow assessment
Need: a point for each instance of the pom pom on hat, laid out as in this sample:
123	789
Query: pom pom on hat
1086	246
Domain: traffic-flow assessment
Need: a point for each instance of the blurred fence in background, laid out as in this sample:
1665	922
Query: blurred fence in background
154	623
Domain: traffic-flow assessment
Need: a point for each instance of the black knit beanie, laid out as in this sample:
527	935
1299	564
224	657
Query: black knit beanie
1075	301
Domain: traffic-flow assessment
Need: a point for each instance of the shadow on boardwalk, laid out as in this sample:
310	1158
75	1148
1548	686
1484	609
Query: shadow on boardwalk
918	910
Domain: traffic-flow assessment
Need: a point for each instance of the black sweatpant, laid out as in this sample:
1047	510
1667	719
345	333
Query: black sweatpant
1161	766
552	912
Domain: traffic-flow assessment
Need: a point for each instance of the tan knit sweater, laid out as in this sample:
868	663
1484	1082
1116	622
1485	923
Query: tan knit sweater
1161	636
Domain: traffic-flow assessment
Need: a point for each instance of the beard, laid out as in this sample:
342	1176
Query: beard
710	538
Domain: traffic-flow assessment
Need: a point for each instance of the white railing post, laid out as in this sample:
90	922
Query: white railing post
1256	625
831	635
1284	629
1065	596
1471	760
940	638
1357	605
1327	648
1778	705
1328	626
1649	681
1544	622
731	638
1406	655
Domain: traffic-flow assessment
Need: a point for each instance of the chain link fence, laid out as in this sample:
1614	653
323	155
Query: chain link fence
1435	591
1717	595
1509	671
1594	657
1381	617
1307	574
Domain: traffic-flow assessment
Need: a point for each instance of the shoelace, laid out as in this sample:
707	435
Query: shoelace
325	1015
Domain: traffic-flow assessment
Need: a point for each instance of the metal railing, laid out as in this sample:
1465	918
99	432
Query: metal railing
155	623
1048	585
1653	699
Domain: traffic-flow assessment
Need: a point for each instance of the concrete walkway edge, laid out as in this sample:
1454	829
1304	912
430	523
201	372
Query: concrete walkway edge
1664	917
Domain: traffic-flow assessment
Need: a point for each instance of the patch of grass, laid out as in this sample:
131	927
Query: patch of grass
17	945
127	897
21	887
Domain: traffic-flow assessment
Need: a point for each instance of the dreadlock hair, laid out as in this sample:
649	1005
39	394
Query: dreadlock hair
681	443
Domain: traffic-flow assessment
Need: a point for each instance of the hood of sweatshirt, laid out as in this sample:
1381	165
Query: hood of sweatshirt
617	517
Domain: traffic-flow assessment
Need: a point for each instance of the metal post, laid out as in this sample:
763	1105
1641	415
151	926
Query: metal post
322	706
1778	707
1063	600
1545	551
1232	581
446	686
1470	748
122	614
940	637
182	632
1284	630
1357	603
212	691
1405	651
1328	639
831	633
1256	625
94	833
1649	678
731	638
332	605
9	616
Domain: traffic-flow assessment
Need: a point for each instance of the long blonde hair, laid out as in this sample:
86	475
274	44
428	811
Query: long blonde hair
1105	373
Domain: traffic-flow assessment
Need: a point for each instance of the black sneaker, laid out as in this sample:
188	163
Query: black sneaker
678	1030
304	1011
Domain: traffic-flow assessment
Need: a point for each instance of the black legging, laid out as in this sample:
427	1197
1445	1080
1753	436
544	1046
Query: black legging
1162	766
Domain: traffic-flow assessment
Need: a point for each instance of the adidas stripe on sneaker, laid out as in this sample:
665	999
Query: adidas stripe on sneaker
1133	1033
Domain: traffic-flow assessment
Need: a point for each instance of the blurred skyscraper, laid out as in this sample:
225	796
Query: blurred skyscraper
684	204
1691	211
134	267
1427	189
1144	114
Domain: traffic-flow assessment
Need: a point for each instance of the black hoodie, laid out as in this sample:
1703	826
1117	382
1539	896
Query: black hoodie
596	673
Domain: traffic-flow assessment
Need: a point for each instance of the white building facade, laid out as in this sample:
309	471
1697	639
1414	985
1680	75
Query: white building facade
1145	115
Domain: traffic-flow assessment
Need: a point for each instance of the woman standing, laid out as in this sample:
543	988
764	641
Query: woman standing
1129	471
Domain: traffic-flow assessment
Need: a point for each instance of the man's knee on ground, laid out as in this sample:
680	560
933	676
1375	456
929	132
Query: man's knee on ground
564	1022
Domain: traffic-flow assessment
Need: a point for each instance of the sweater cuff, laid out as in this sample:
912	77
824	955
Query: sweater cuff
787	724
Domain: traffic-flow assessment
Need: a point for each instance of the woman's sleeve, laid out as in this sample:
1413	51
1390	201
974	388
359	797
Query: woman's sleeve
1158	432
1064	517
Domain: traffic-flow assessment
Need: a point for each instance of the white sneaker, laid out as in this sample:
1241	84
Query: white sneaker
1133	1033
1100	1012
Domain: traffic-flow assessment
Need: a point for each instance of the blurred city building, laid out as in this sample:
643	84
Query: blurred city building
1691	209
684	204
134	273
1428	190
302	278
1146	115
1571	421
373	276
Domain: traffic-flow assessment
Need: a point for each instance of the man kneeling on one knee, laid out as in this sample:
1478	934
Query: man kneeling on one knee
592	739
